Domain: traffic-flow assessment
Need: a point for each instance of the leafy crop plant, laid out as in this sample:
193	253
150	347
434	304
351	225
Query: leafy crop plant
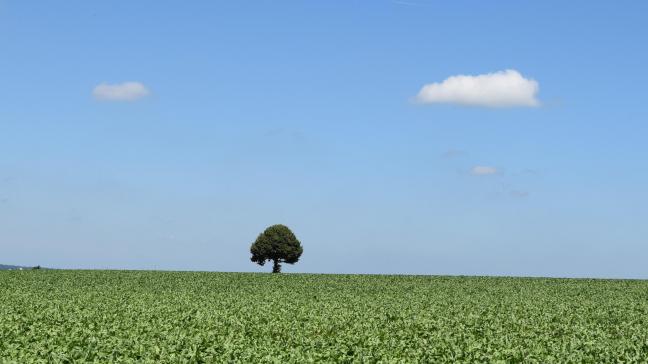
184	317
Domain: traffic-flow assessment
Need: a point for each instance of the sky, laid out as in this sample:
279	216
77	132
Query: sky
392	136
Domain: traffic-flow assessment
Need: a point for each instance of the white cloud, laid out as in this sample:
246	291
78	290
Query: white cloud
500	89
126	91
483	170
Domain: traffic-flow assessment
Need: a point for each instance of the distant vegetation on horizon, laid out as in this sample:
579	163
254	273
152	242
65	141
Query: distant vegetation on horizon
10	267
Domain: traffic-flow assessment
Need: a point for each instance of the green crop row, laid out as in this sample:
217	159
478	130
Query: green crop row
183	317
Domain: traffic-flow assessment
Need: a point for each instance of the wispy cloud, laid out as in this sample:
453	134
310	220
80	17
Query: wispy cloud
453	153
500	89
518	193
126	91
513	192
483	170
407	3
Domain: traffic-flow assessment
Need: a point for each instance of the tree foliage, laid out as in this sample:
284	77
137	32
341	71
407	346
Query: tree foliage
277	244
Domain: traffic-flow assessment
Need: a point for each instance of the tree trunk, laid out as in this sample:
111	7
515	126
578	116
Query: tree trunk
276	267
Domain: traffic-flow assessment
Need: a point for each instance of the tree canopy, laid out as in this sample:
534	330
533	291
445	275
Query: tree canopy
277	244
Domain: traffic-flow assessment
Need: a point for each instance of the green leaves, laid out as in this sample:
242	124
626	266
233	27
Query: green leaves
186	317
278	244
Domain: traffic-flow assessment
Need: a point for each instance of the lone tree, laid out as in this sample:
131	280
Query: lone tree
277	244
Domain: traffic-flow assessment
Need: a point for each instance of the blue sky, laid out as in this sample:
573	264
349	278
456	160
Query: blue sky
306	114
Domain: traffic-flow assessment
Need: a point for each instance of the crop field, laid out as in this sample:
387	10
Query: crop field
141	316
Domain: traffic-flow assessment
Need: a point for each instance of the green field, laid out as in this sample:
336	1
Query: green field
127	316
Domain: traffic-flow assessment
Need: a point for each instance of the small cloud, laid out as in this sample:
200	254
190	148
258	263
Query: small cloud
453	153
483	171
500	89
126	91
